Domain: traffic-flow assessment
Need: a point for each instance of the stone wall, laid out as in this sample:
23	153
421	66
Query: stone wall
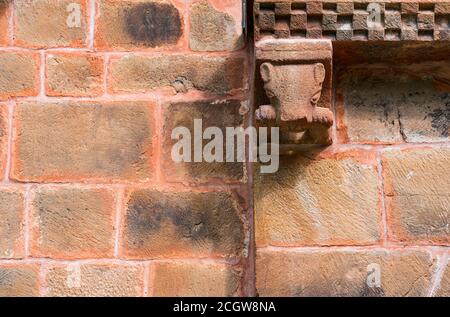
90	202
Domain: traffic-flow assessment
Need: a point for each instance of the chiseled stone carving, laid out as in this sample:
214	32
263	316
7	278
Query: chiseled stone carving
295	79
351	20
294	91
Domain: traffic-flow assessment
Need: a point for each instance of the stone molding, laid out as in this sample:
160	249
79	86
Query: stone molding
349	21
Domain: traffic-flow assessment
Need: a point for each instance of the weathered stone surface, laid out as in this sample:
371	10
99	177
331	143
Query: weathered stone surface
19	74
216	26
392	107
72	223
349	20
45	23
194	279
294	52
318	202
72	74
294	91
444	286
19	280
131	24
344	273
213	114
95	280
182	224
75	141
11	223
418	195
139	73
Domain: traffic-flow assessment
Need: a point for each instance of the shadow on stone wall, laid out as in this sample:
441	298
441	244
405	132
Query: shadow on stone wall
389	93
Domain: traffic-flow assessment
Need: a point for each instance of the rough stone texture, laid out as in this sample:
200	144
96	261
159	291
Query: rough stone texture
176	73
44	23
72	223
95	280
11	223
181	224
444	286
391	106
131	24
18	280
194	279
3	138
318	202
19	74
104	141
213	27
71	74
212	114
343	273
418	195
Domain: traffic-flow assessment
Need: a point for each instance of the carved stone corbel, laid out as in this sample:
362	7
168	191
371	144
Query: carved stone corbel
296	78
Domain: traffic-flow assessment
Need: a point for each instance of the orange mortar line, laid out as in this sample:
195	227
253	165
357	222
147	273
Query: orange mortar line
28	200
118	261
148	274
123	52
11	26
7	167
119	210
149	97
42	280
166	186
92	11
382	201
432	249
42	74
151	277
158	146
186	24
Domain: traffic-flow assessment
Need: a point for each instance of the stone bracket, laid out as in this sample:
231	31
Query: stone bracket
297	79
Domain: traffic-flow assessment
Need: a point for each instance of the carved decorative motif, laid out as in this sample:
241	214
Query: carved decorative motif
297	81
349	21
294	91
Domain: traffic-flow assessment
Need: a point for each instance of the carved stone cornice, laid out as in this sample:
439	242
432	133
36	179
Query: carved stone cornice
353	20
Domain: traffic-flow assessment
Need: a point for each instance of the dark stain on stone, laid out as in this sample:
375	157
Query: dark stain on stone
4	3
197	217
4	6
154	24
440	119
6	278
367	291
